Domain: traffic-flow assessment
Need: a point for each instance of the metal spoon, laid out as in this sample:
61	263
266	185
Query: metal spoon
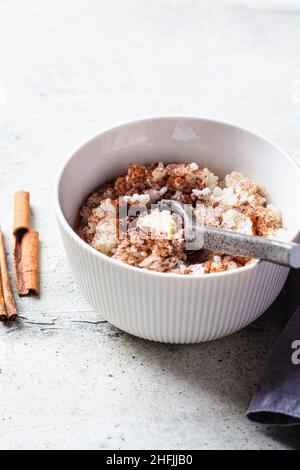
235	243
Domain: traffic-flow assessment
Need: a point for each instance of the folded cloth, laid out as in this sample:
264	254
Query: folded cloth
277	398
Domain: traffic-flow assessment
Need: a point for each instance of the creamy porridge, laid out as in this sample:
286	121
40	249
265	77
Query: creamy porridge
152	239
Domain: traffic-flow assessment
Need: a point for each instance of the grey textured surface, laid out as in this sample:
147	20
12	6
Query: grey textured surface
69	69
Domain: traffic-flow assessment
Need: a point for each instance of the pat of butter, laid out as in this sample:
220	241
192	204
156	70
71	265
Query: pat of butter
158	224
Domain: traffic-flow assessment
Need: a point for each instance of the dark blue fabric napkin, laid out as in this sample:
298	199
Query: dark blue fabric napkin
277	398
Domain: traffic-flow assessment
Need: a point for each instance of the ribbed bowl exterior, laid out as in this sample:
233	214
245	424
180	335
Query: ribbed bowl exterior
172	309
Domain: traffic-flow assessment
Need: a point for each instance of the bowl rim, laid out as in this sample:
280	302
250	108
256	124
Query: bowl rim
120	264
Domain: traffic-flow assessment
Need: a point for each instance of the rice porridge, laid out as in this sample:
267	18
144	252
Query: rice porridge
154	240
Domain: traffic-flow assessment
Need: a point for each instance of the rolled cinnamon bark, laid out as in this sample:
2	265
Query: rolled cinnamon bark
3	314
21	212
26	247
28	267
9	301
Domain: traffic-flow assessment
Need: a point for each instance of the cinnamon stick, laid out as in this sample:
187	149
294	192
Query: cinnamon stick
26	247
28	274
21	212
3	315
9	301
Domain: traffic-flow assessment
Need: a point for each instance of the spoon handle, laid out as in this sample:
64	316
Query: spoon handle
235	243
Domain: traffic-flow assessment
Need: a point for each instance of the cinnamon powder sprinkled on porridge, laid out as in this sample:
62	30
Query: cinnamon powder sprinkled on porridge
150	241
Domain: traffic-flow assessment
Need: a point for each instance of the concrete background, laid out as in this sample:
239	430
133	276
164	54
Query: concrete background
69	69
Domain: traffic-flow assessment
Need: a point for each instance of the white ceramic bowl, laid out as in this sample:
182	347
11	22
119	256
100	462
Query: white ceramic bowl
170	307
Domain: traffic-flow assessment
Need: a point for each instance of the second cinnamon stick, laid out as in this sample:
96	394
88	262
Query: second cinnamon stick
21	212
28	278
26	247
